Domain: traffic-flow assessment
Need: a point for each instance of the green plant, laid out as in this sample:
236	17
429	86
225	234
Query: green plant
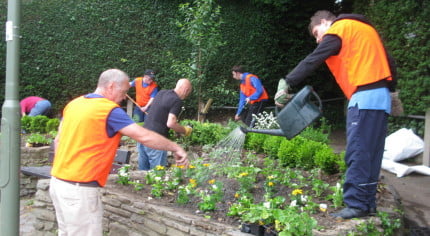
26	123
124	175
200	24
211	196
389	225
290	222
37	138
38	124
327	160
337	196
255	141
52	125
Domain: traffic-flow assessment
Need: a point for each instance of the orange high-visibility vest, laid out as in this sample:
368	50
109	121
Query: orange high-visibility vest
362	59
85	152
143	94
248	89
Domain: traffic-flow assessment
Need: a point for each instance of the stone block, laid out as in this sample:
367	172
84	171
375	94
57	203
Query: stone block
156	226
117	211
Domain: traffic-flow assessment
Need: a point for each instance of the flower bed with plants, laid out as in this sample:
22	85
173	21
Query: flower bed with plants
39	130
275	185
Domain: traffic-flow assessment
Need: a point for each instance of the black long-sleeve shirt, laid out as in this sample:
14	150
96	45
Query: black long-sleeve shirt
330	45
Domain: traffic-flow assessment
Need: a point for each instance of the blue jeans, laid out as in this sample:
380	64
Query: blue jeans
149	158
140	115
40	108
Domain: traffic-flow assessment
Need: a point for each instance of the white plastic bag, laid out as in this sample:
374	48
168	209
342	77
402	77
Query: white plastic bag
401	170
402	144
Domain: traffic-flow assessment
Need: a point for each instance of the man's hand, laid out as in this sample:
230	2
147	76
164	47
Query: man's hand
282	95
181	158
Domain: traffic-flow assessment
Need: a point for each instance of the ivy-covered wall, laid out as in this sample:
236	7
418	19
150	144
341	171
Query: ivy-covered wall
65	45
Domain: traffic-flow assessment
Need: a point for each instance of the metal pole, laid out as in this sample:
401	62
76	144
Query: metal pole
10	129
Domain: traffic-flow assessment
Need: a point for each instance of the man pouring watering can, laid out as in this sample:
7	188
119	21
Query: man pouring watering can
356	56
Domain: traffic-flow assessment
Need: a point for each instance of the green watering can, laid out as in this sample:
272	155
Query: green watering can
298	114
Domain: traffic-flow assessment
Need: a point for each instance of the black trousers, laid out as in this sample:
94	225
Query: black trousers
255	108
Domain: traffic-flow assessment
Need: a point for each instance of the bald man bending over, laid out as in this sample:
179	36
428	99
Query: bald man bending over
164	113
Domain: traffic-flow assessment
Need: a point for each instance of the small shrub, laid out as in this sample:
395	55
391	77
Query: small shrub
287	153
52	125
26	123
38	124
327	160
255	141
306	152
271	145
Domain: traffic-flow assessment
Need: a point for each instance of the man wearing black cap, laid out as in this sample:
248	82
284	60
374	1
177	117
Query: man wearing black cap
146	89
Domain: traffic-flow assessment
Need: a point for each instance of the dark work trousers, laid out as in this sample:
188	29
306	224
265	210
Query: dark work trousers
366	132
252	109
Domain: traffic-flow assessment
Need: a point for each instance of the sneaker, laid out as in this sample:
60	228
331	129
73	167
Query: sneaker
349	213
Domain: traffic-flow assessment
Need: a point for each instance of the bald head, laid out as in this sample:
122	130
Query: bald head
183	88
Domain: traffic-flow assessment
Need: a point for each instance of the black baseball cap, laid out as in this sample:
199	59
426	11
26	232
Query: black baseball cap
150	73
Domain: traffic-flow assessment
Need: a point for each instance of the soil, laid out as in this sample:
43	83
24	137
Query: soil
384	198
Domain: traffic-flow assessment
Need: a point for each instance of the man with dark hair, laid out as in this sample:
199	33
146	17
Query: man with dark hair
252	95
355	55
146	89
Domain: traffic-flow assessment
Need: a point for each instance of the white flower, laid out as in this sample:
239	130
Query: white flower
266	204
157	178
293	203
304	198
323	207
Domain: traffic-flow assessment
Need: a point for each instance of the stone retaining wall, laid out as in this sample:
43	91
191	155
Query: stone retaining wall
38	156
126	215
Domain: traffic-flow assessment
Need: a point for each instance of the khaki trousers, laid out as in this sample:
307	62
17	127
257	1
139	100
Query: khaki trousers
78	209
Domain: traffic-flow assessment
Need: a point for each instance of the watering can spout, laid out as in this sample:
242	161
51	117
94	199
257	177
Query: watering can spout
275	132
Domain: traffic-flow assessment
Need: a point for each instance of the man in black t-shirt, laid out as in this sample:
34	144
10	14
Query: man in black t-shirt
163	116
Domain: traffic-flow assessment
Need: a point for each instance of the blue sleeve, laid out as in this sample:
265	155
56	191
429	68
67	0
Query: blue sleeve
117	120
133	83
256	83
154	92
241	104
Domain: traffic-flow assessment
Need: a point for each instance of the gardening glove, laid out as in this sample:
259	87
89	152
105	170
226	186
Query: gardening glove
282	95
188	130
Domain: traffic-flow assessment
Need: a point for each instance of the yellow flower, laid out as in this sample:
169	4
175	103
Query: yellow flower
159	167
297	191
270	183
236	195
243	174
191	167
212	181
206	165
270	177
180	167
193	183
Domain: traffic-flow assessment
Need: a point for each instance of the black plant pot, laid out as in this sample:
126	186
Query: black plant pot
254	229
269	231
